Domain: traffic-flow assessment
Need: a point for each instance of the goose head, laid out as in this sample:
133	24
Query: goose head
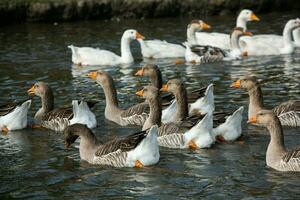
198	25
245	83
292	24
39	89
147	70
132	34
150	93
174	86
263	117
72	132
245	16
101	77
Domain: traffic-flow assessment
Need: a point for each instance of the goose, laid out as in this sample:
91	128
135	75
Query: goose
221	40
58	119
136	150
185	133
96	56
207	54
277	156
154	74
134	115
288	112
231	129
164	49
13	116
273	44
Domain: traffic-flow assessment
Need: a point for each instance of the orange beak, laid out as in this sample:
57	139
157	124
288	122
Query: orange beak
247	33
31	90
140	72
253	17
93	75
140	93
164	88
204	26
252	120
236	84
139	36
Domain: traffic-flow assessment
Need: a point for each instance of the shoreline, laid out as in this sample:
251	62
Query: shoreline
16	11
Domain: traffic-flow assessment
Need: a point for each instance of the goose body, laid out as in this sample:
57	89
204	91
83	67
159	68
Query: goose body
273	44
134	115
164	49
14	116
222	40
277	156
58	119
231	129
96	56
136	150
288	112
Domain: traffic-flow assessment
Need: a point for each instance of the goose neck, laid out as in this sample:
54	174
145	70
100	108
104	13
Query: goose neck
255	100
110	95
126	55
287	36
191	35
47	101
241	22
276	145
156	79
182	104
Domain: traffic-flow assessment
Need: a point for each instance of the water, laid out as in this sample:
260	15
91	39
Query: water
35	165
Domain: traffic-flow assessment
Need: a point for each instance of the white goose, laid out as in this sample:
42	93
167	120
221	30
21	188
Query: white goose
14	116
164	49
221	40
276	45
96	56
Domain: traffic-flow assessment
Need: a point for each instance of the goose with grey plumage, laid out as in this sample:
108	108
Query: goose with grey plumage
277	156
58	119
136	150
288	112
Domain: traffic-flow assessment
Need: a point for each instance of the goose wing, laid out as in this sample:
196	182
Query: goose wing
59	113
292	159
289	113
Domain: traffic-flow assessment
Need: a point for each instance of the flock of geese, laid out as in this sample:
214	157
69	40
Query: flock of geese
169	116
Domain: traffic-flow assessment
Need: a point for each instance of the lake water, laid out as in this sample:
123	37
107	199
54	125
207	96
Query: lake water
35	165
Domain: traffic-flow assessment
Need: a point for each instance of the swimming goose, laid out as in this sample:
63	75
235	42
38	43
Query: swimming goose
208	54
288	112
277	156
154	74
164	49
273	45
221	40
184	133
136	150
134	115
13	116
231	129
96	56
58	119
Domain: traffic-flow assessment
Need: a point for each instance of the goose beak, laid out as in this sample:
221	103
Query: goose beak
253	17
164	88
247	33
236	84
204	26
139	36
31	90
93	75
140	93
140	72
252	120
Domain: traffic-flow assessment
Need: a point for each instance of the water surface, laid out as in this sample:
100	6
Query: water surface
35	165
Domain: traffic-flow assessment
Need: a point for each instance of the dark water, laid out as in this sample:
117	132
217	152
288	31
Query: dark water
35	165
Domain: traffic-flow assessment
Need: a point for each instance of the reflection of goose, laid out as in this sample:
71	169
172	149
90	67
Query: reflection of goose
221	40
136	150
92	56
164	49
134	115
277	156
13	116
288	112
273	44
58	118
184	133
208	54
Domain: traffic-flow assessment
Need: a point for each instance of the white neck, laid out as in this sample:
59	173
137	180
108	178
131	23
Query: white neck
234	42
287	36
191	35
241	22
126	55
296	35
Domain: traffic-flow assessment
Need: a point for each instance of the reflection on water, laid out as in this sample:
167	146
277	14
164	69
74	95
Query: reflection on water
34	163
